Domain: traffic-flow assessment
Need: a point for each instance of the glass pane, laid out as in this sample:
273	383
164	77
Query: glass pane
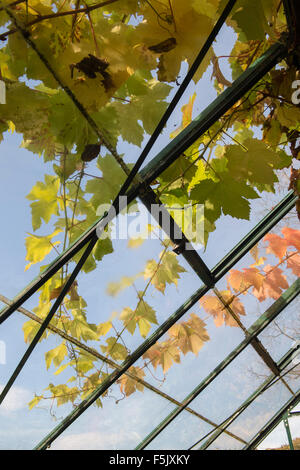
180	434
276	440
264	273
282	333
115	426
224	442
24	417
260	411
232	386
190	351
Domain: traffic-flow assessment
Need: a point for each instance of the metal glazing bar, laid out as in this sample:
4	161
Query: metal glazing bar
214	111
288	431
264	320
166	221
268	428
167	156
84	238
261	229
255	342
112	378
257	327
47	320
282	364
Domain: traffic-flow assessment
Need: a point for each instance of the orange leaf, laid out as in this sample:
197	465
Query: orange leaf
273	285
214	307
240	281
277	245
293	263
292	237
128	385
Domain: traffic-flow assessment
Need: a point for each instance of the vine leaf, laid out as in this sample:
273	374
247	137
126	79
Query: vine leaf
114	349
38	247
56	355
214	307
128	385
142	316
163	354
167	272
293	263
241	281
190	335
45	200
274	283
277	245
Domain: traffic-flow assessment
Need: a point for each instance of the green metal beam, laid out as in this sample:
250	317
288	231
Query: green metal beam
174	232
164	159
282	364
256	234
288	431
214	111
268	428
263	321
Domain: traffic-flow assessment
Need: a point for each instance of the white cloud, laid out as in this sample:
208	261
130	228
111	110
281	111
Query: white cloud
16	399
96	440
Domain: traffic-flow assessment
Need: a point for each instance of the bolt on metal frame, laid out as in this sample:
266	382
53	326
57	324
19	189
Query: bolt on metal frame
141	188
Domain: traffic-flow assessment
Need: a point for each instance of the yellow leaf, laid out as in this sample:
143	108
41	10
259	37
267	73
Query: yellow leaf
39	247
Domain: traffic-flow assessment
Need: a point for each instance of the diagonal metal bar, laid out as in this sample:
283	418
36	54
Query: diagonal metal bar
269	382
166	221
273	422
261	229
264	320
47	320
214	111
167	156
255	342
93	352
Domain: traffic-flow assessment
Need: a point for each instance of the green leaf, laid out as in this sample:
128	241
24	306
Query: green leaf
114	349
167	272
45	197
256	165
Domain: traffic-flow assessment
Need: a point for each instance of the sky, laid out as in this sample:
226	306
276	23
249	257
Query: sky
125	424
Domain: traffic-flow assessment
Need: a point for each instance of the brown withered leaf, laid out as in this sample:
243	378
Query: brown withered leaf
90	152
91	65
164	46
